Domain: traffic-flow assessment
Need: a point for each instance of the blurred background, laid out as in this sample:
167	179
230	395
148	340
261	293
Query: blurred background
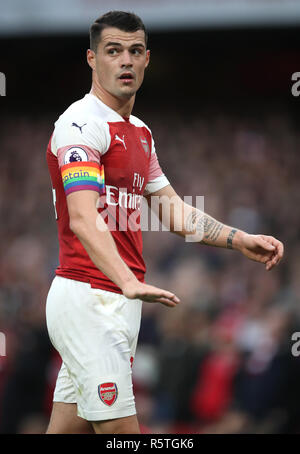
218	98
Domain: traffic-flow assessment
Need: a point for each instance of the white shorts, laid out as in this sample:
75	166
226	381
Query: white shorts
95	333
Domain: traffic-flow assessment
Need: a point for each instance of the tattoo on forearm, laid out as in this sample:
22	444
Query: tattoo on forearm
216	230
199	222
230	238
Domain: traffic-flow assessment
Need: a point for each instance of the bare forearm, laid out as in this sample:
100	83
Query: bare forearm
201	227
213	232
101	248
194	224
197	226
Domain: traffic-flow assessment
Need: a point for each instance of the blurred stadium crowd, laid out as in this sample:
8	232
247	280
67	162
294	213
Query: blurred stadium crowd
221	362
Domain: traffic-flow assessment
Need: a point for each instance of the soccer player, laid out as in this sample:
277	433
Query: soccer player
102	161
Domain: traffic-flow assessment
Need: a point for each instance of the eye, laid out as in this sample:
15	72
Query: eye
136	51
112	51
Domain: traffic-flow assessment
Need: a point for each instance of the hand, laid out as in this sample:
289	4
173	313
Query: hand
262	248
149	293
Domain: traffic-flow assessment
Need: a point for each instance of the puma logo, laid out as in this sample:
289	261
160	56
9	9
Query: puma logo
79	127
121	140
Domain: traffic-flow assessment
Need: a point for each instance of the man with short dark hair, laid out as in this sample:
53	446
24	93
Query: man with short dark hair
102	161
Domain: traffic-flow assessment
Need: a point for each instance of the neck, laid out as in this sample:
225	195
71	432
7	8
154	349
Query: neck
122	106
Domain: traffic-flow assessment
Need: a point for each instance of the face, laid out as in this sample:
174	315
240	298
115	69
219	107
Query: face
120	61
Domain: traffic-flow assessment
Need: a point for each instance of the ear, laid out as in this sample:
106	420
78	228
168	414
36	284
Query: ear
91	58
147	58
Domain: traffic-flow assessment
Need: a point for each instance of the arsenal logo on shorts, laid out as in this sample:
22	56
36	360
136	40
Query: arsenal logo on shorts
108	393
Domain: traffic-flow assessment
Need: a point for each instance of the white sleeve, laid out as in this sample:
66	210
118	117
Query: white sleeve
87	132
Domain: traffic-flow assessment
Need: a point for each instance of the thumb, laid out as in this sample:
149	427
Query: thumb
265	244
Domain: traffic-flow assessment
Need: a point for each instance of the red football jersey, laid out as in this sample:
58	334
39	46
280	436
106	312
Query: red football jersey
94	148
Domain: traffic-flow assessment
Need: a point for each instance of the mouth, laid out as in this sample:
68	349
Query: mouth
126	77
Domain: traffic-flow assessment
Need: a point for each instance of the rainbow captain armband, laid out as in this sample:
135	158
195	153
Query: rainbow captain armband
83	175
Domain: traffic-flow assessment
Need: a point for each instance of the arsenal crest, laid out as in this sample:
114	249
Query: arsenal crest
108	393
145	145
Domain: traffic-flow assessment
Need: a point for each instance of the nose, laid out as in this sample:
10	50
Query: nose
126	59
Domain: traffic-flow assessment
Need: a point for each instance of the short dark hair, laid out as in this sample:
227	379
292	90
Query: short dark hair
125	21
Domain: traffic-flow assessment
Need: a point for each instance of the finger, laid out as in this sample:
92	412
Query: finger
172	299
156	299
280	251
175	299
269	266
277	257
265	244
168	295
161	297
166	302
271	263
277	244
276	253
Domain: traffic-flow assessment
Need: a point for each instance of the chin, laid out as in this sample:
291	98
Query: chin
127	94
